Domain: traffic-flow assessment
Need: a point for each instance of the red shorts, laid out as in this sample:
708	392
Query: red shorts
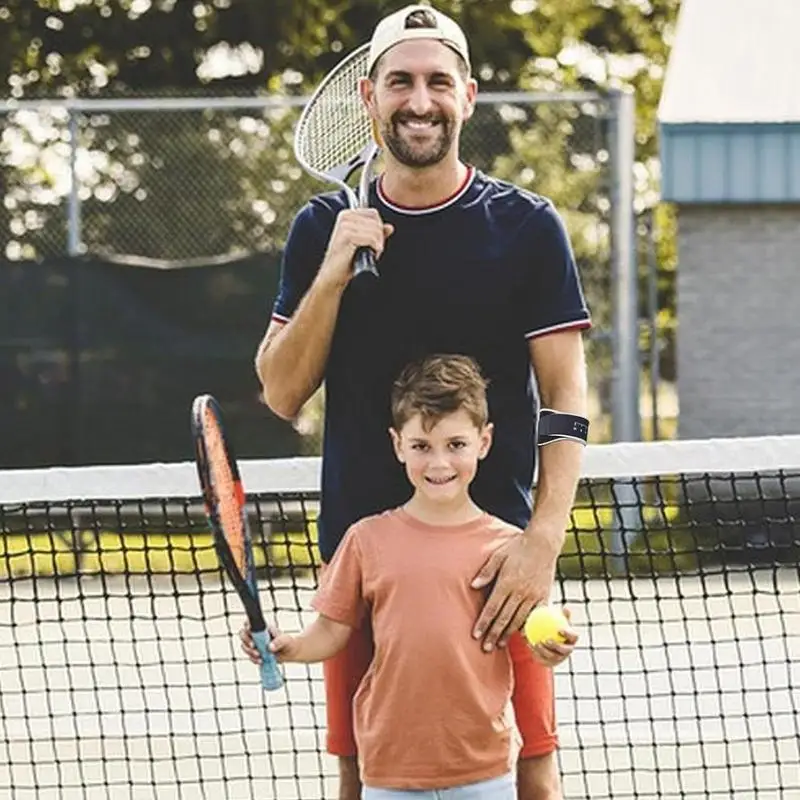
533	698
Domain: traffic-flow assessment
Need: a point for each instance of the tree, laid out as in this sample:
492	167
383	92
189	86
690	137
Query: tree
147	191
152	47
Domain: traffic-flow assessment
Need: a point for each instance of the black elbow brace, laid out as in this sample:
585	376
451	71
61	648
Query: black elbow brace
557	425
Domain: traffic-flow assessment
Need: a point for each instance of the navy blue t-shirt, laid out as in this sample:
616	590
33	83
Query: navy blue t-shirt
480	274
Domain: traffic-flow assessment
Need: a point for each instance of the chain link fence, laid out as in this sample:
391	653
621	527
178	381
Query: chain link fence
191	180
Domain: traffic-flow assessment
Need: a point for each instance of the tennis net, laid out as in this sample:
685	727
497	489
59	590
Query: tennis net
120	670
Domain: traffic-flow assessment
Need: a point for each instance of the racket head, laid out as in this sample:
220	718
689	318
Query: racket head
224	500
334	136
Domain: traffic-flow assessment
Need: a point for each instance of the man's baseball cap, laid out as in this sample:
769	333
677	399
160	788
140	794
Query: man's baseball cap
393	29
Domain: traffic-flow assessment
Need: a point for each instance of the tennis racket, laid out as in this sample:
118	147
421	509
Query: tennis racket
335	137
224	498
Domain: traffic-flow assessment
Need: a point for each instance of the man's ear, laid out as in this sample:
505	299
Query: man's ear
471	99
366	91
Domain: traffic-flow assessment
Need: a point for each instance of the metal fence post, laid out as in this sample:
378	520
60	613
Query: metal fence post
74	233
654	358
625	389
626	422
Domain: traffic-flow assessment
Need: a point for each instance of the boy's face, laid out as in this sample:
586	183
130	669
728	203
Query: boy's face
442	462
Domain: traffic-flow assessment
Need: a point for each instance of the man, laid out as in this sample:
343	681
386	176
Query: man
467	265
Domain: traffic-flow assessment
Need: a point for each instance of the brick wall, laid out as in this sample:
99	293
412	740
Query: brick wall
738	320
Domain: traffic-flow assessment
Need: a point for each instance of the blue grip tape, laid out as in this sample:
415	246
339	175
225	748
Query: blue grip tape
271	677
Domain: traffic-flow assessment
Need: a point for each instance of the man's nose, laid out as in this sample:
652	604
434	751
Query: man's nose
420	100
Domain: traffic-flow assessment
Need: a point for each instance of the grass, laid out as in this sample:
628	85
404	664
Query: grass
663	546
62	554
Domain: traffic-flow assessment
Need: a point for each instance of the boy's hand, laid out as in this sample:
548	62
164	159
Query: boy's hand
248	646
283	645
551	653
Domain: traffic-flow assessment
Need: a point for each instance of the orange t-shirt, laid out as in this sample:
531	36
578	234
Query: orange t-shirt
433	709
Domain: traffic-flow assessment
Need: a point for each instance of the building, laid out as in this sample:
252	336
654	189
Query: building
730	150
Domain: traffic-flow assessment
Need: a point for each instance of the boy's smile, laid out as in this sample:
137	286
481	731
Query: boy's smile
441	461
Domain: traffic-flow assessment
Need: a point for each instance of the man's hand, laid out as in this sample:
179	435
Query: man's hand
353	229
552	653
522	570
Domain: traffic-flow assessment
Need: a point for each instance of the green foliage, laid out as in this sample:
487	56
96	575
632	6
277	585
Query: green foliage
200	184
155	45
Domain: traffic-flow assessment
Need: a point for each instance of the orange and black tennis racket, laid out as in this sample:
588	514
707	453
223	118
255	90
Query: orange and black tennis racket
224	499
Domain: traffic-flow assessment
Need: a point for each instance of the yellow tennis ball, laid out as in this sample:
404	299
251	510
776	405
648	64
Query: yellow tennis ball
545	623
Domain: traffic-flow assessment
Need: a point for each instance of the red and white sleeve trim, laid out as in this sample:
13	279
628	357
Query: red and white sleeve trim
574	325
280	318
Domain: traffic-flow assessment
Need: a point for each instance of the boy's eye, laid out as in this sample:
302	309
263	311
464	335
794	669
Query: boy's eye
458	445
419	446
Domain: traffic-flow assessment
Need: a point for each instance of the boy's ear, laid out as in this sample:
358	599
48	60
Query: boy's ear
396	444
487	434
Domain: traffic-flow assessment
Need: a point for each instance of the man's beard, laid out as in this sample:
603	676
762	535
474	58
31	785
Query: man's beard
420	155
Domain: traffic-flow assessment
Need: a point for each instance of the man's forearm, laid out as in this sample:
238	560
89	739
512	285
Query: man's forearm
559	471
291	364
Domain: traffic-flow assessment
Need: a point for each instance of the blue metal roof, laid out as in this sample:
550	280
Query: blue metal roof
736	163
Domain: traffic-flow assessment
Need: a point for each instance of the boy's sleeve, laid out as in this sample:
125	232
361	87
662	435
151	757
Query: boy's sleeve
302	256
552	296
340	596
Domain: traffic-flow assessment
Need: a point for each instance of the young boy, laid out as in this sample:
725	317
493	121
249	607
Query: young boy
433	711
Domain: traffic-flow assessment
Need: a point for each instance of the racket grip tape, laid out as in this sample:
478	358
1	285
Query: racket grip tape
271	677
365	261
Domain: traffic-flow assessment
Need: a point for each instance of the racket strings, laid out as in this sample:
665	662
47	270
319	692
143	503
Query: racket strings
335	126
227	490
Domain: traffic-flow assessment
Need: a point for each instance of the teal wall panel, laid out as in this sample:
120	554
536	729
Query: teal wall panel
730	163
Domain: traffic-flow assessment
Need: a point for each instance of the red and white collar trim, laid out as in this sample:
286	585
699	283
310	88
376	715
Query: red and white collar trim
417	211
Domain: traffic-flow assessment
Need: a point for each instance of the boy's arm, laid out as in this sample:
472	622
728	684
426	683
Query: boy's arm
339	597
321	640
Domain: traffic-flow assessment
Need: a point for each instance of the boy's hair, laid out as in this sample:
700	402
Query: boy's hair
439	385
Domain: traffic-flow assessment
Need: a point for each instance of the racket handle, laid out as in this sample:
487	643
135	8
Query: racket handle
365	262
271	677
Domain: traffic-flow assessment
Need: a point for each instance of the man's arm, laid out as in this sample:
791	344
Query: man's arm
525	569
560	367
291	358
290	361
